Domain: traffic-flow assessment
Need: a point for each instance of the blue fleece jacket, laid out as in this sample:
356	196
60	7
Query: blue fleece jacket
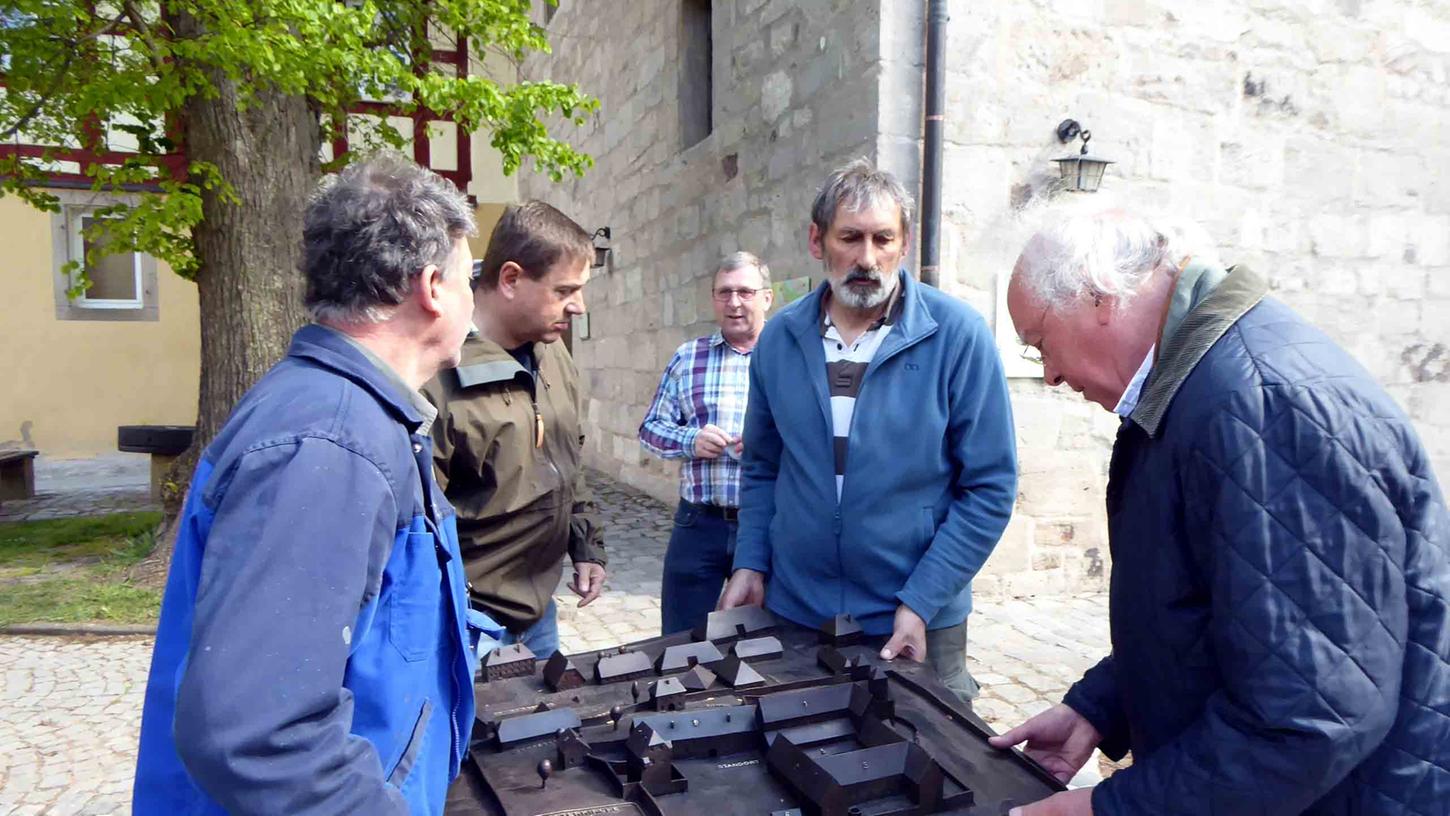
931	467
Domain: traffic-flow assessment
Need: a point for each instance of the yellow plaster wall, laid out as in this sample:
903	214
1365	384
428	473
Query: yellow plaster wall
76	380
489	186
486	216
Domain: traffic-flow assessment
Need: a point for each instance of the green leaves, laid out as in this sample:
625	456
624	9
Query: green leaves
81	74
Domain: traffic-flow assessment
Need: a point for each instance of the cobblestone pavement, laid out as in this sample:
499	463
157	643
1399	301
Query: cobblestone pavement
113	483
72	714
72	706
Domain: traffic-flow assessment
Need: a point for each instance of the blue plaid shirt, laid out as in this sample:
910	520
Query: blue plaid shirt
706	383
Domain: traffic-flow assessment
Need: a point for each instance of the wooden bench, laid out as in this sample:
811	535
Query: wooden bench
163	442
17	473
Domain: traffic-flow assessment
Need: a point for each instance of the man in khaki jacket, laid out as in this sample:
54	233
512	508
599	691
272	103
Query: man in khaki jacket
508	439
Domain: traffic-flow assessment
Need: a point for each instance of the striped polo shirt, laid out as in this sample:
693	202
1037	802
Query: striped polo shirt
846	368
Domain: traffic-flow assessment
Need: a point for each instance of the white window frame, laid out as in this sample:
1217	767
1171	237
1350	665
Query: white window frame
75	216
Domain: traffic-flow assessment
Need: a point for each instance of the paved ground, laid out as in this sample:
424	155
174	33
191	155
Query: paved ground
113	483
72	706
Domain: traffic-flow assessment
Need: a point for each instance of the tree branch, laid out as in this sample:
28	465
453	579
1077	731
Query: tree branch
43	100
72	47
143	28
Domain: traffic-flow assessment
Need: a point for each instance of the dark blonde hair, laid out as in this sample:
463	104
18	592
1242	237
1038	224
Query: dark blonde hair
744	260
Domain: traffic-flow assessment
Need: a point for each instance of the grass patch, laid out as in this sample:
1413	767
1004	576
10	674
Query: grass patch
77	600
74	570
38	543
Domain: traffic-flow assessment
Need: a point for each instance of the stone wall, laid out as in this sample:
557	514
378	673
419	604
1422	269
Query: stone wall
1309	139
1312	140
673	212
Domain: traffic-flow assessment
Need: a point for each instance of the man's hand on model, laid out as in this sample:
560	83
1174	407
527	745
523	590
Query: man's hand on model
588	581
712	441
1060	739
1069	803
746	587
908	637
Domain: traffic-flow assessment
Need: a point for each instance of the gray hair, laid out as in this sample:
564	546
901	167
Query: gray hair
856	186
742	260
1078	252
370	230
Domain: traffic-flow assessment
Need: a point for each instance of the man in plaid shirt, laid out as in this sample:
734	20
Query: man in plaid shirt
697	416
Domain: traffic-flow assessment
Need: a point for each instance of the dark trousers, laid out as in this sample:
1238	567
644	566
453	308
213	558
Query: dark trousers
946	651
697	564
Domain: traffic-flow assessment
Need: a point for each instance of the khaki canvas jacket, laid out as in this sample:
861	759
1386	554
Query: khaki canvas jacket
507	451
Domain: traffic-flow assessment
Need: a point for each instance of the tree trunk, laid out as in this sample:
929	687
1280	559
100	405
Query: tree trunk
249	284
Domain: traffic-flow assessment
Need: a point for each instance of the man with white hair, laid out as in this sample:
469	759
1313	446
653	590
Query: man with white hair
1280	601
880	465
312	654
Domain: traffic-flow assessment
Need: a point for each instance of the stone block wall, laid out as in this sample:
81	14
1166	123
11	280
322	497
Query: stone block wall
1308	139
674	212
1311	140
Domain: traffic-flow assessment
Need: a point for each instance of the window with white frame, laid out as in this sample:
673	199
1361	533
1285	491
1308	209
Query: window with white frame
92	285
112	281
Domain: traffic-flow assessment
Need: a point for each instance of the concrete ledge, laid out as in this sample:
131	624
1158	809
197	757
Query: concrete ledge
78	629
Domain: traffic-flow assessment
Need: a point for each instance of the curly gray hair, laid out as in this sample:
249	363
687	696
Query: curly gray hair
370	230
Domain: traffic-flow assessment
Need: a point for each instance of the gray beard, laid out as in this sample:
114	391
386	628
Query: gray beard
863	300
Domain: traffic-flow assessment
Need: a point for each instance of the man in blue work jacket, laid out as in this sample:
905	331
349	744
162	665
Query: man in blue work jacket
312	655
879	465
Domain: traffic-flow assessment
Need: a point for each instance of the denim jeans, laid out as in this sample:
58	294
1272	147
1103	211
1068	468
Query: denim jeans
542	638
697	564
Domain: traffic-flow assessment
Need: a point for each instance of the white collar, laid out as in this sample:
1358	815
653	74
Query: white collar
1129	400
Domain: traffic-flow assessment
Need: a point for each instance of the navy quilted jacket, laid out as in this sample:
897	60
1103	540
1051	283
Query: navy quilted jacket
1280	596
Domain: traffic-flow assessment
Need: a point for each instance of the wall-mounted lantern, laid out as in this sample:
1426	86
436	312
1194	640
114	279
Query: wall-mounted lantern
1083	172
601	247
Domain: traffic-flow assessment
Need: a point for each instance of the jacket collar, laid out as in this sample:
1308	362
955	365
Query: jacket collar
331	350
802	320
890	316
484	361
911	317
1187	340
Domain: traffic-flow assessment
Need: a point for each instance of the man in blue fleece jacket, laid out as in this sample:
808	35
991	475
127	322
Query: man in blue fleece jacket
879	465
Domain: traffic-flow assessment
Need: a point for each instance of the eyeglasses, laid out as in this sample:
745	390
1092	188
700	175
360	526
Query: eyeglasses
1033	354
745	295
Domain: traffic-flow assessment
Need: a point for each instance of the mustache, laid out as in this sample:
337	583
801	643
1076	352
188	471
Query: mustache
863	274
